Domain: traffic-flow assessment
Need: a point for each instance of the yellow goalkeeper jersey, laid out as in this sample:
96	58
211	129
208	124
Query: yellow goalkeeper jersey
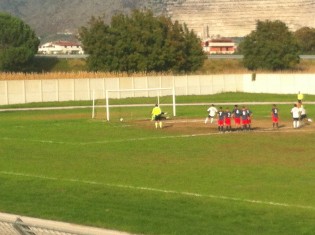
156	111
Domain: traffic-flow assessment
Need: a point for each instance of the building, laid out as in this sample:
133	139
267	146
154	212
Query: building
60	48
219	46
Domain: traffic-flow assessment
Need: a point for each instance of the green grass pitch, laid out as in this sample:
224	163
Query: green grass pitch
62	165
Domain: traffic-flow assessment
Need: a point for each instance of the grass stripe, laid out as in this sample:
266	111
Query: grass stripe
267	130
190	194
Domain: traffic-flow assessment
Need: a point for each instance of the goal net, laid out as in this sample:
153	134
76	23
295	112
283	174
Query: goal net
134	104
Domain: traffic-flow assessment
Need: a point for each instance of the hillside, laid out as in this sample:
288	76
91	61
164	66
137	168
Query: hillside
50	17
207	17
238	17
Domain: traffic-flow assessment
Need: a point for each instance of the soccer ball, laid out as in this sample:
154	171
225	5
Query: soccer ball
121	119
310	120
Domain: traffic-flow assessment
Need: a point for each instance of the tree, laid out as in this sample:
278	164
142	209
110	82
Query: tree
306	39
140	42
271	46
18	44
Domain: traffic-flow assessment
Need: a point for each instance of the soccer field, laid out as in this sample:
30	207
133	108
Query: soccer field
183	179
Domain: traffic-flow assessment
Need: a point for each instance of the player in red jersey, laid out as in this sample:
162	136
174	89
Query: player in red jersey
275	116
249	118
220	119
244	118
237	117
227	120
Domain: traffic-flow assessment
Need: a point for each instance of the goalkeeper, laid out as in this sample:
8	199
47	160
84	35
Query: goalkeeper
157	116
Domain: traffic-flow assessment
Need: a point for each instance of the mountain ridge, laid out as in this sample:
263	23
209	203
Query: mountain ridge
51	17
208	18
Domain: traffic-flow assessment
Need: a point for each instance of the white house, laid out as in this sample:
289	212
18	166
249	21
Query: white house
219	46
60	47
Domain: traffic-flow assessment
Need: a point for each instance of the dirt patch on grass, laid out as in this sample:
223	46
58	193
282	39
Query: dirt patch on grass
197	126
290	152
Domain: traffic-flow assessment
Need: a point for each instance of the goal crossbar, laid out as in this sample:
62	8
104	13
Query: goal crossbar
158	90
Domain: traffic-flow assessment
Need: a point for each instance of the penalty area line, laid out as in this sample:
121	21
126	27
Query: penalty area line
189	194
266	130
107	141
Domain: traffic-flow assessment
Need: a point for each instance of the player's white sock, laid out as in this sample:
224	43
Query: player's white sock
206	120
297	124
161	125
156	125
211	120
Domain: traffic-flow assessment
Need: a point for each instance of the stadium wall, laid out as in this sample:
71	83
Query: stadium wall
27	91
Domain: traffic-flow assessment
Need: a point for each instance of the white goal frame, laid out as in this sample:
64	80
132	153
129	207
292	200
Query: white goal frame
158	95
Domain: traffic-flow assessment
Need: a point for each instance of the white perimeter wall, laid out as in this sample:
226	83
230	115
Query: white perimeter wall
15	91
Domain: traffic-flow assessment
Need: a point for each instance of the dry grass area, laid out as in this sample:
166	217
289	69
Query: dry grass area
57	75
220	66
307	66
69	75
235	66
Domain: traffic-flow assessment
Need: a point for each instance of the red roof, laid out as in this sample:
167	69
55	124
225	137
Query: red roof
221	40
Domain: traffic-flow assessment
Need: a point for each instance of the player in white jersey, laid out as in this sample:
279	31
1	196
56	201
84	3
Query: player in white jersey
212	113
302	112
295	111
303	117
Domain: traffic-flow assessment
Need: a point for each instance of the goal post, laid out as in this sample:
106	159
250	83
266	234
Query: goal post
98	104
127	102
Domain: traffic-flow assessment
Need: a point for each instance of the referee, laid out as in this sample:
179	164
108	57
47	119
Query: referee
300	98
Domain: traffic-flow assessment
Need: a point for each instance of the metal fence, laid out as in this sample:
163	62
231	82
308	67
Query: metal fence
18	227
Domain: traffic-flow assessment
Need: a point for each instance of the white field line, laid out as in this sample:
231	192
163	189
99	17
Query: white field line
190	194
107	141
267	130
150	105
